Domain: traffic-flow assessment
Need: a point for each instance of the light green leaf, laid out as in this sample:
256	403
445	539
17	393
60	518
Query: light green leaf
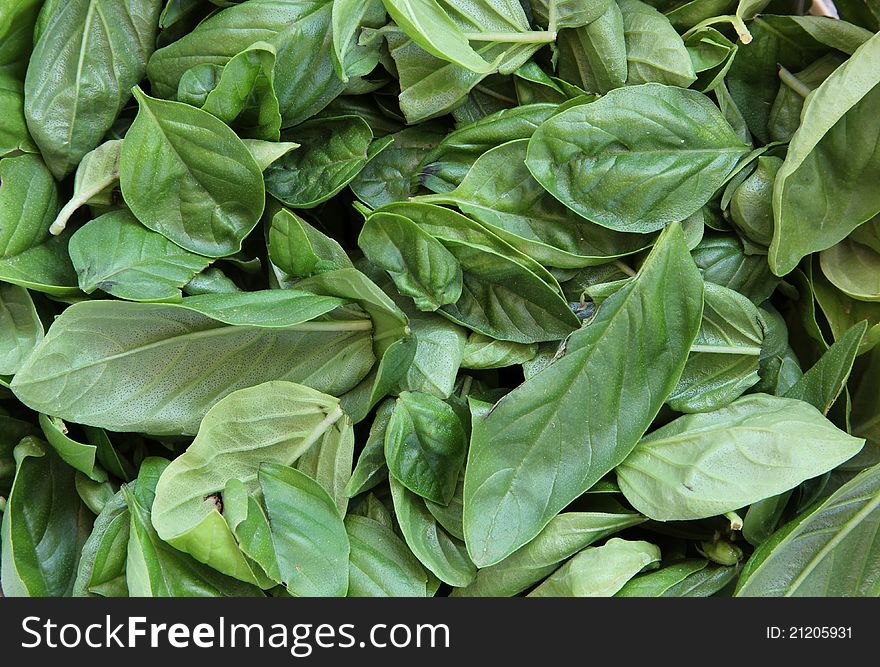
310	539
96	176
75	454
20	327
299	249
482	352
118	255
654	51
706	464
852	268
185	357
599	571
231	444
564	536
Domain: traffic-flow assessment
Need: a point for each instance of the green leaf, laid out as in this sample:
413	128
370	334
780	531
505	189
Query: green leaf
530	428
347	19
439	552
846	104
381	564
20	327
186	175
14	134
118	255
305	81
500	192
654	51
823	383
231	444
722	260
428	25
689	578
299	249
188	355
370	469
44	525
594	56
706	464
725	355
310	539
329	462
419	264
425	446
828	551
482	352
75	454
244	97
155	569
332	152
599	571
853	268
638	158
102	564
96	177
390	176
86	59
444	168
28	204
564	536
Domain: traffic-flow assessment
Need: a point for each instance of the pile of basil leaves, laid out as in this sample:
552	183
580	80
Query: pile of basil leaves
440	297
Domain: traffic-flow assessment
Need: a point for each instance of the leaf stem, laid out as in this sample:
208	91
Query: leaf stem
736	522
527	37
626	269
80	199
727	349
793	82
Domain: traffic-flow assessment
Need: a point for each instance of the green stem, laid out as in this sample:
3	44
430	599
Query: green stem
793	82
623	267
736	522
727	349
79	200
528	37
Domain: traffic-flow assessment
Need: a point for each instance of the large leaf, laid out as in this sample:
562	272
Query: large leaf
159	367
186	175
310	539
231	444
528	447
830	551
638	158
118	255
88	56
706	464
821	192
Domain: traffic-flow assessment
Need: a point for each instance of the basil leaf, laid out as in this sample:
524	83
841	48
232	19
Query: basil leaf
636	159
381	564
531	423
186	175
706	464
